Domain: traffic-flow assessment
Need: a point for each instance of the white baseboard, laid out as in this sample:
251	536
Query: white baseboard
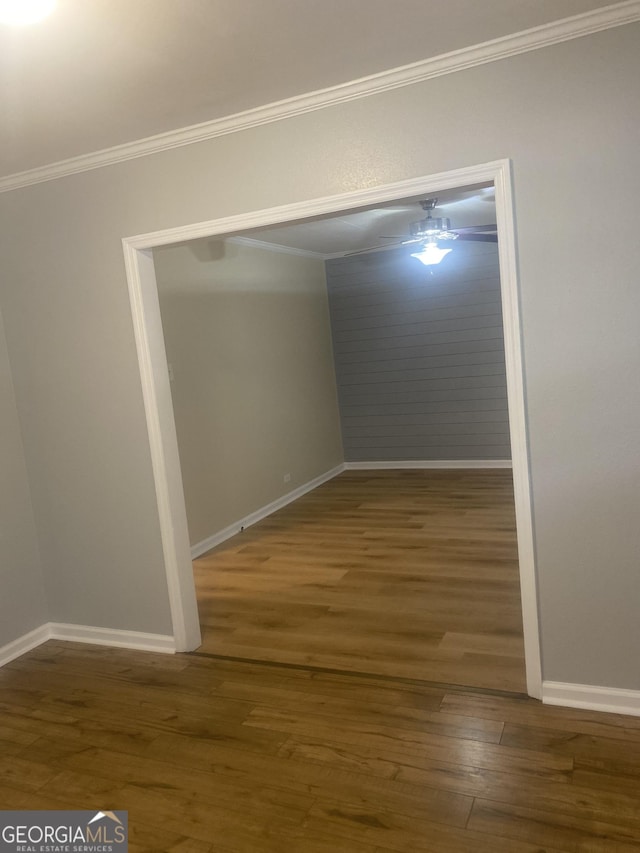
86	634
226	533
428	463
24	644
112	637
607	699
210	542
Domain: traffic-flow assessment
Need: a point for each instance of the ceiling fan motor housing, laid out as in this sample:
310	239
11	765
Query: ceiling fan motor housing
430	226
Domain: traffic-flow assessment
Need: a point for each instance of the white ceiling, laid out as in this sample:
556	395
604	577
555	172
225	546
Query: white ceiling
100	73
352	232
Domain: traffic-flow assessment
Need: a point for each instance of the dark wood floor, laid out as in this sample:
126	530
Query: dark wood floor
403	573
214	756
217	755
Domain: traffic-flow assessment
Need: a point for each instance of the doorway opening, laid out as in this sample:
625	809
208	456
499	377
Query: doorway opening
160	418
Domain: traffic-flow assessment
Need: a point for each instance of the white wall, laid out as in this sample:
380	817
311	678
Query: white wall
22	601
567	116
254	395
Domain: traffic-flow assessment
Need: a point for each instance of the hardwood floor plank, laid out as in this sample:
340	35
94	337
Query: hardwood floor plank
613	780
523	711
566	832
70	783
165	777
323	842
563	796
579	745
410	747
149	838
18	772
406	836
410	573
205	821
190	845
334	722
51	750
15	799
313	760
400	716
345	687
117	734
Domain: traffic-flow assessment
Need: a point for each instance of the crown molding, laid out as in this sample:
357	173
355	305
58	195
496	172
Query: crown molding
585	24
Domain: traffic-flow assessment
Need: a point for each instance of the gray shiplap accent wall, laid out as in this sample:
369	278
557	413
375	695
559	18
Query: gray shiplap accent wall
419	355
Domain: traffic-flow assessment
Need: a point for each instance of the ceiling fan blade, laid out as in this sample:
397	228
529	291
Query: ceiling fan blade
402	242
465	229
479	238
371	249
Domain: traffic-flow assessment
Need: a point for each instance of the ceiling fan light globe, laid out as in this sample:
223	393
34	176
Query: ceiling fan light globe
430	255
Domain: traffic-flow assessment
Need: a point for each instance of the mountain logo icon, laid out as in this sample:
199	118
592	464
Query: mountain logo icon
100	815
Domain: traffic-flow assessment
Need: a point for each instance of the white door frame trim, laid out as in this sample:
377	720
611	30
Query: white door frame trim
157	395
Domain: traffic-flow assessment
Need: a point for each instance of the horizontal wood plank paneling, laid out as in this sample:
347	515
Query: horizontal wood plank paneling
419	355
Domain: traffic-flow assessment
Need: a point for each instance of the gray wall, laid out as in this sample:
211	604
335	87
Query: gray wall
567	116
22	602
419	354
79	398
254	394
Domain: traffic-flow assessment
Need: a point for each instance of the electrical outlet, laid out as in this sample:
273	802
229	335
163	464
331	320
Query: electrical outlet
287	478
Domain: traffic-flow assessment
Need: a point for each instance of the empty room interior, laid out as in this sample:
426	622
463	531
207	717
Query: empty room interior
301	350
319	419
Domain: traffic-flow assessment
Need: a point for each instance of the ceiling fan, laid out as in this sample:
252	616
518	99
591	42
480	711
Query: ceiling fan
430	230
